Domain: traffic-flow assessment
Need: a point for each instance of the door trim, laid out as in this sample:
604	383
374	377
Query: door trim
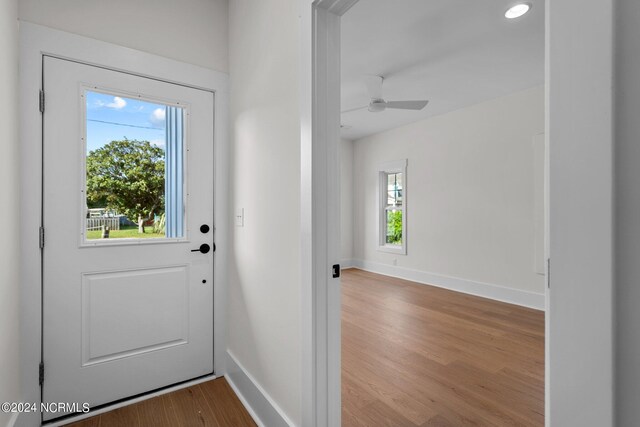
35	42
319	211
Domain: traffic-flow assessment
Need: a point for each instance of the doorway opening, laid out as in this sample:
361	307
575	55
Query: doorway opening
443	313
581	171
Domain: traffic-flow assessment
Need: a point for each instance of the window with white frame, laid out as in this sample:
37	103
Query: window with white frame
393	206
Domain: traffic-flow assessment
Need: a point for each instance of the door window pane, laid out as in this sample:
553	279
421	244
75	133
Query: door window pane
134	168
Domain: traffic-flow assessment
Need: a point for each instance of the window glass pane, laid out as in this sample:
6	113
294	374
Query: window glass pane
394	227
134	168
394	189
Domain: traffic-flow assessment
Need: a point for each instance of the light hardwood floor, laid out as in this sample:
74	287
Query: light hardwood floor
210	404
416	355
412	355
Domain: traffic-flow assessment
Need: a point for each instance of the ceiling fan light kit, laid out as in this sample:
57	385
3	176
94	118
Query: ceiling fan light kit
378	104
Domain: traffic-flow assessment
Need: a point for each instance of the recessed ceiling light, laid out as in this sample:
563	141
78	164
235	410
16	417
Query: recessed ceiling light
516	11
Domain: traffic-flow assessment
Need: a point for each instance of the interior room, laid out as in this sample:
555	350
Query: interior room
442	214
315	213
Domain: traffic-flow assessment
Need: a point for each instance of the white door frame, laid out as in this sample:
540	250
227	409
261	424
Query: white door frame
580	326
36	41
579	105
320	206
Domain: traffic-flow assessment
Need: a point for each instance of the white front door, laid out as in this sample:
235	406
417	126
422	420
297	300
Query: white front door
131	312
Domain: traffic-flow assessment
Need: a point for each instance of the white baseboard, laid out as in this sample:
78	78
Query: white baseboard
263	409
485	290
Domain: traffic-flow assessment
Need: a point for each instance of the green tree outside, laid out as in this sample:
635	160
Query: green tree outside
394	227
127	176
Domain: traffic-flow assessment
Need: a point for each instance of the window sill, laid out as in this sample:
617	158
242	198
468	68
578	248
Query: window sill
401	250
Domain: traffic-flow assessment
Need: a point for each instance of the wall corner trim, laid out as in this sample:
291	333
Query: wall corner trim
484	290
262	408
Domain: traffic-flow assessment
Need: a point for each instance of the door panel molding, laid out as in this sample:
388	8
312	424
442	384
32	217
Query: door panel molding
107	347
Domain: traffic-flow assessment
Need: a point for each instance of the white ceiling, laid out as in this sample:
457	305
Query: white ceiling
455	53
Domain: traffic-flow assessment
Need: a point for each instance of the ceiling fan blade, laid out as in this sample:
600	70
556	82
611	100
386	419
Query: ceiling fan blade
374	86
354	109
407	105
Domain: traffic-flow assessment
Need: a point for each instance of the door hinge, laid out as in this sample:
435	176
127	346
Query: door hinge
41	373
41	237
41	101
548	272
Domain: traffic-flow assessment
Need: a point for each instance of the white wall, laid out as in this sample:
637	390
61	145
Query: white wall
264	293
346	202
192	31
627	187
9	203
470	193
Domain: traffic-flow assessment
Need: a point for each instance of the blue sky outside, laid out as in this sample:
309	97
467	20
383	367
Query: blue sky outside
111	118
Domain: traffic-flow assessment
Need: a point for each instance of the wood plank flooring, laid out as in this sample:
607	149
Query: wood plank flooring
416	355
412	355
209	404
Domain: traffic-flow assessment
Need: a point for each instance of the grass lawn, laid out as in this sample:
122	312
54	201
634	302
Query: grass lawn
125	232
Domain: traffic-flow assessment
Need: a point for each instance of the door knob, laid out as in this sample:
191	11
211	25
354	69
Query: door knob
204	248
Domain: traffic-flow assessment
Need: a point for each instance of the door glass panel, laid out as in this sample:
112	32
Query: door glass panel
134	161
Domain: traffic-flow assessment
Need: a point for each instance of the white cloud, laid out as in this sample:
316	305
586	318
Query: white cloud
158	116
117	104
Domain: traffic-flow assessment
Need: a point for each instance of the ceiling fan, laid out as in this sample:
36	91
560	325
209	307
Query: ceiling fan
378	104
